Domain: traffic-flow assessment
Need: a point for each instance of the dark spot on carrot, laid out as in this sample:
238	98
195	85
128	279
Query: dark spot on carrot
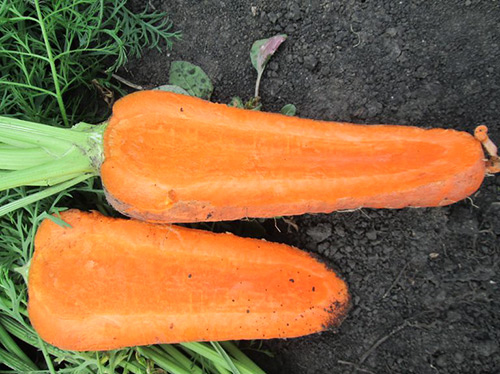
291	280
209	215
248	310
313	289
171	326
182	109
189	275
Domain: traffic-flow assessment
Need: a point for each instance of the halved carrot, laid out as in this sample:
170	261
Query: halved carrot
165	157
174	158
107	283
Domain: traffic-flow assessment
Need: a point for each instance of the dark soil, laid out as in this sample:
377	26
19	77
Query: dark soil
424	282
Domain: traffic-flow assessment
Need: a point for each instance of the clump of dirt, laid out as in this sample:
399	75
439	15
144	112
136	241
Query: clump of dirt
425	282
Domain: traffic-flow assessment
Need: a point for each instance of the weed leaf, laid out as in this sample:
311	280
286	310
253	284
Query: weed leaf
289	110
172	88
191	78
236	102
263	49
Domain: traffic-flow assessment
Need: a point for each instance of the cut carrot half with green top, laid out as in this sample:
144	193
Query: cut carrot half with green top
107	283
166	157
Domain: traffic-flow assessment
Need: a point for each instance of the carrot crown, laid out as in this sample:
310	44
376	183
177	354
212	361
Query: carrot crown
33	154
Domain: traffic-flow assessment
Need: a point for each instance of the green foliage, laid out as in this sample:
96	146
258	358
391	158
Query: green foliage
236	102
289	110
263	49
261	52
56	56
191	78
172	88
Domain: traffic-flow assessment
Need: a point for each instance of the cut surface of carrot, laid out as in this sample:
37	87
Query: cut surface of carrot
175	158
107	283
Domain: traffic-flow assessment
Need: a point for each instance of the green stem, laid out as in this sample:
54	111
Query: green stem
38	134
257	83
8	147
13	348
45	182
73	163
15	144
28	336
46	356
53	69
23	85
241	357
99	364
14	362
226	357
162	360
181	359
20	203
22	158
212	355
221	370
41	155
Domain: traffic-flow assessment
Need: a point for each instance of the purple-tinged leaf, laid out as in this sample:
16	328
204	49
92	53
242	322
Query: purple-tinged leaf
261	52
263	49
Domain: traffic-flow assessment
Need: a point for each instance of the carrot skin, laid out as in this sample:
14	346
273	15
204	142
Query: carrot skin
109	283
175	158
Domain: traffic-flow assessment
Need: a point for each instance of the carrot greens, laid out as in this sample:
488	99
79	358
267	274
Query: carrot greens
55	55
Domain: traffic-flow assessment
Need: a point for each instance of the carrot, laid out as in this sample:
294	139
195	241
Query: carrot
175	158
493	163
165	157
107	283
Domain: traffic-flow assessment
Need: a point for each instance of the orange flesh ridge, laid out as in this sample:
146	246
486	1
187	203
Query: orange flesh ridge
175	158
109	283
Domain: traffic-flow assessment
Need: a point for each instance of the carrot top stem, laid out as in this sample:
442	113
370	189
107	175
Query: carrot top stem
33	154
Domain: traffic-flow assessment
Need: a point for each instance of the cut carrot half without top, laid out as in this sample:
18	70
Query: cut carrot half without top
166	157
107	283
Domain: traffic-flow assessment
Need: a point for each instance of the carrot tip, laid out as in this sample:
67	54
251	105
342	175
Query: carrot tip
493	163
338	312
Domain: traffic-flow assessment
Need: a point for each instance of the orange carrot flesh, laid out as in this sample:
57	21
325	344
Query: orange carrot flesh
109	283
174	158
